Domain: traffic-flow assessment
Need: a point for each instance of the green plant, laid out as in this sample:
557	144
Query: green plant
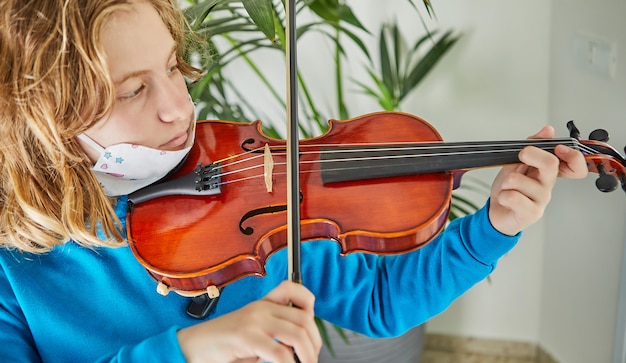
245	27
237	30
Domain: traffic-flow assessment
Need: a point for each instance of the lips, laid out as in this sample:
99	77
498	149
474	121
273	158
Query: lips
180	140
176	142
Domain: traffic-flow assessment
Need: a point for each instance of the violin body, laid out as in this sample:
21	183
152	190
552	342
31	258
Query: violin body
191	243
379	183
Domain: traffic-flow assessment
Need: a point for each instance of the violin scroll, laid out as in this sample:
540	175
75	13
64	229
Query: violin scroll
602	159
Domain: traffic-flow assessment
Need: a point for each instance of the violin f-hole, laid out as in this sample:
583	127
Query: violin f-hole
251	145
246	142
248	231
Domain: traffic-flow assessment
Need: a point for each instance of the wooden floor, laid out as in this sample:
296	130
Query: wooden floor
419	347
452	349
447	357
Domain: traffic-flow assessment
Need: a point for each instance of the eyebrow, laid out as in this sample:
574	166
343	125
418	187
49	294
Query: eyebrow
144	71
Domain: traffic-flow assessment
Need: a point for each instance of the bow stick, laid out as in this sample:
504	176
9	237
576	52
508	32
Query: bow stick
293	173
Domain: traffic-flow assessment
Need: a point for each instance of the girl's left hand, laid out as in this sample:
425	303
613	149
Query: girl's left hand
521	192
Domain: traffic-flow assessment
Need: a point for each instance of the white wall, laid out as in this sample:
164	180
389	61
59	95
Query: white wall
586	233
495	85
511	73
560	286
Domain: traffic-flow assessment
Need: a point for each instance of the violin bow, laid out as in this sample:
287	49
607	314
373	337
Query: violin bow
293	172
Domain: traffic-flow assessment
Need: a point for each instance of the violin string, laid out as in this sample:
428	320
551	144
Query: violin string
363	147
233	158
547	145
420	147
438	145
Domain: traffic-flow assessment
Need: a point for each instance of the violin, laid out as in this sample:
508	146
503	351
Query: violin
379	183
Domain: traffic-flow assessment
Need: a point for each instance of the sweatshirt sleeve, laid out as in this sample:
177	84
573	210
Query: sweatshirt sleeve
388	295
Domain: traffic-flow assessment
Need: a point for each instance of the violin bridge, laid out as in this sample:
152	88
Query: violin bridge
268	168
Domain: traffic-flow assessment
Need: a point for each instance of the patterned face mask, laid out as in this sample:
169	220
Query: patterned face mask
124	168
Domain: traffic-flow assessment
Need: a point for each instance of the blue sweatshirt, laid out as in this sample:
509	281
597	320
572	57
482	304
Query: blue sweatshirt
76	304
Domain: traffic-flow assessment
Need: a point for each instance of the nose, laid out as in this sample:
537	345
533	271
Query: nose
173	101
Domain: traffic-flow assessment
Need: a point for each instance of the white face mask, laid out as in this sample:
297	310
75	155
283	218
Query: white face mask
124	168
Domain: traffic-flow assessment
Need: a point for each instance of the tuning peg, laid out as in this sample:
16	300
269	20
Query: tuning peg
573	130
605	182
599	135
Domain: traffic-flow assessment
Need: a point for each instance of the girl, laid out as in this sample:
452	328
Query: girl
84	80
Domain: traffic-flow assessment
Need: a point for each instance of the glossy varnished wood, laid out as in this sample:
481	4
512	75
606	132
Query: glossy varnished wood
190	243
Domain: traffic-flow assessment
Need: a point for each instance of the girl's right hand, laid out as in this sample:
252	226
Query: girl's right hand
268	330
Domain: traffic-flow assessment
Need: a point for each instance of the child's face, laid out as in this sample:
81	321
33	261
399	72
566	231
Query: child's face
152	106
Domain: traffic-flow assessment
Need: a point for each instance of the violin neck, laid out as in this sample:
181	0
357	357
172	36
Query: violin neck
348	163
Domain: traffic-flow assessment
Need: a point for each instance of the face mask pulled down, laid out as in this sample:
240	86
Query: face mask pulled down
124	168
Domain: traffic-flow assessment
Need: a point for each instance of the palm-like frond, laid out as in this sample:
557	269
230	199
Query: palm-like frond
402	68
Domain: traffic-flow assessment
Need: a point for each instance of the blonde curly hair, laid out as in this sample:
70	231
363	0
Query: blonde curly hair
55	84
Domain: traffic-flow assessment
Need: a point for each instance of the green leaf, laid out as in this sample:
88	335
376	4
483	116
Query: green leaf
198	13
428	62
332	11
325	9
262	14
321	326
399	47
335	39
384	96
385	61
347	15
342	334
429	8
356	39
